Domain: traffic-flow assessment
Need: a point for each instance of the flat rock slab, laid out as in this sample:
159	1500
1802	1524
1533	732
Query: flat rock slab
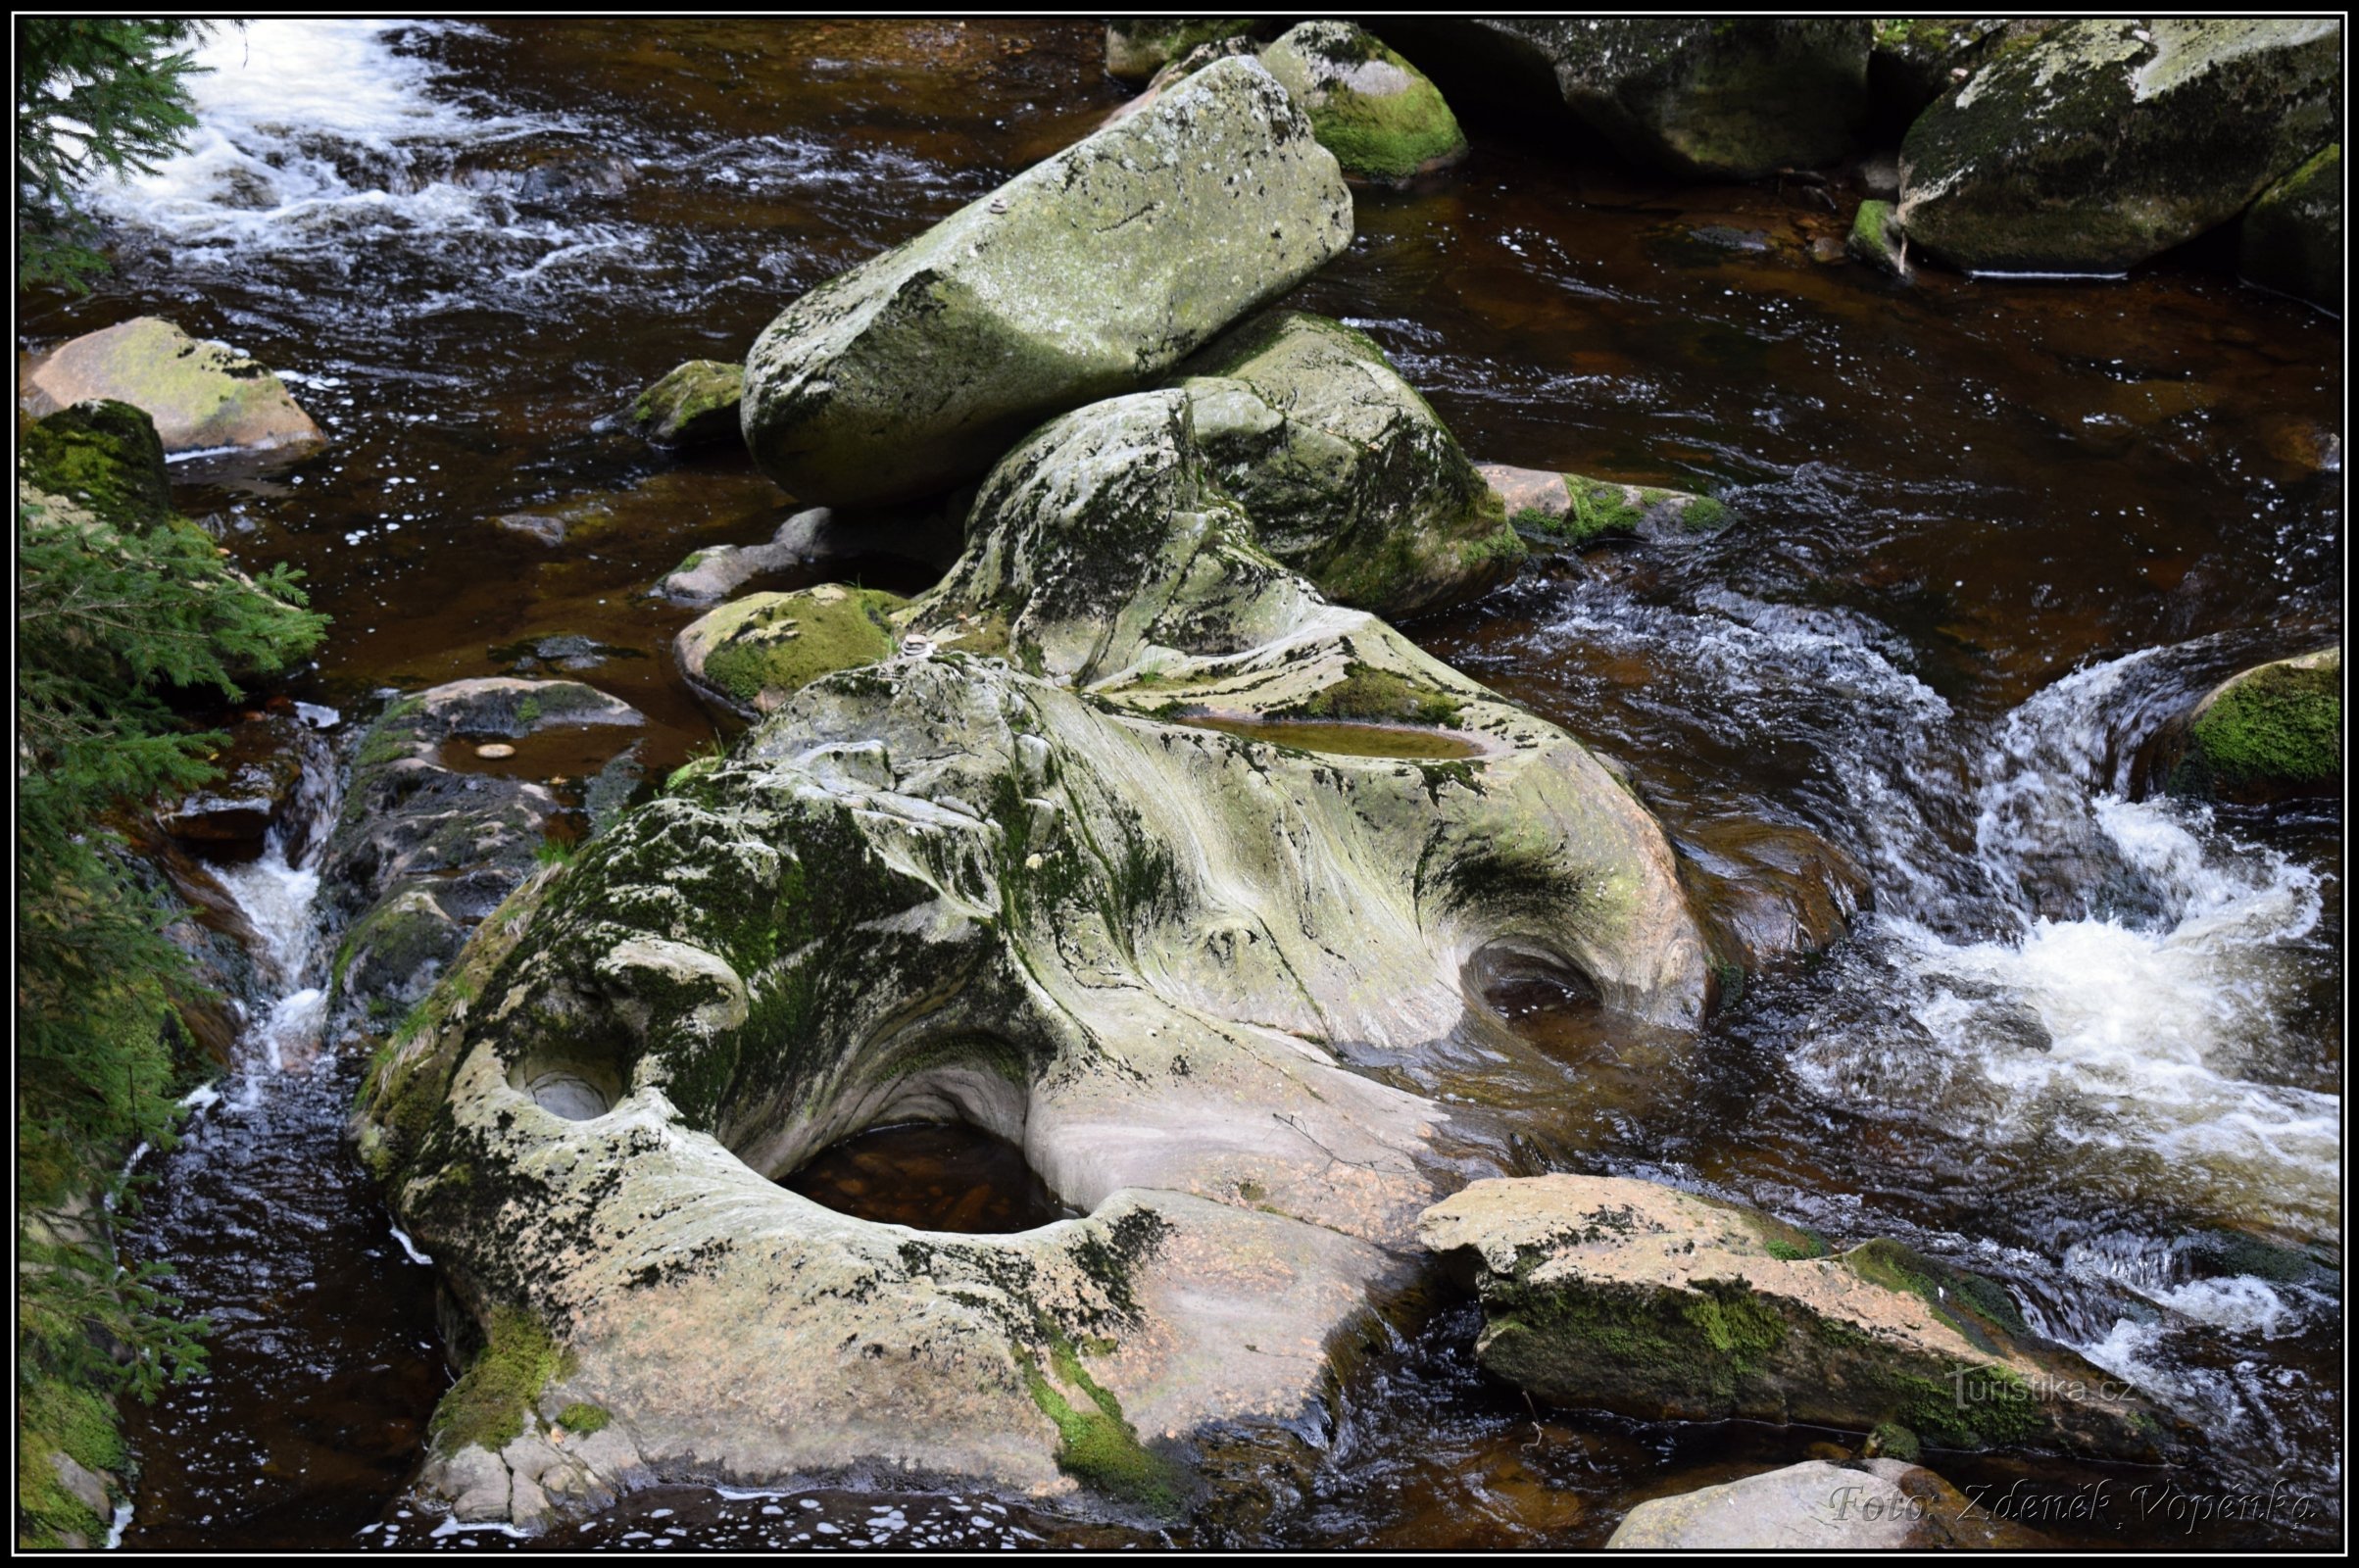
1663	1304
202	396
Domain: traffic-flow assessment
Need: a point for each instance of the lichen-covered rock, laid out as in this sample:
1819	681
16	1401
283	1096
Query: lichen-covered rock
1875	238
2292	234
1867	1505
2267	732
1666	1305
754	653
1728	98
1348	473
1572	511
948	887
2096	145
1377	112
1137	47
423	850
692	405
1089	274
200	395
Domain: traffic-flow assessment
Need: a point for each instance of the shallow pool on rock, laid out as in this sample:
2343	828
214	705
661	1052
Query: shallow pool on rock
1346	740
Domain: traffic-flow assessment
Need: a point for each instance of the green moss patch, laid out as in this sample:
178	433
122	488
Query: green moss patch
1378	695
53	1418
761	649
2281	724
583	1419
1096	1445
487	1407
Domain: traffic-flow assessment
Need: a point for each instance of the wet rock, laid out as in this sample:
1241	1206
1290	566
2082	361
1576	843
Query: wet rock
1377	112
1350	477
693	406
2097	145
568	650
1730	98
2292	234
1864	1505
421	851
952	886
712	575
1091	273
1875	238
258	784
754	653
1180	70
2266	733
1769	892
200	395
1571	510
1666	1305
1137	47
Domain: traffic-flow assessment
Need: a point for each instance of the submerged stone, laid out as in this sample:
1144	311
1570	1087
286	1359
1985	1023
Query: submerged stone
1572	511
1090	274
2293	235
1661	1304
2099	144
1377	112
1875	238
202	396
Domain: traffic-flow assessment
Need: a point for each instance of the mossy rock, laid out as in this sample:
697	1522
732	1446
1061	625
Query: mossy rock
1575	511
1913	60
1137	47
2293	235
491	1404
1661	1304
1346	472
693	406
202	396
2099	144
1875	238
1377	112
2270	732
104	454
754	653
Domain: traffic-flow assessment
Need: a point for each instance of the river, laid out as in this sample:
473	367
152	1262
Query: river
1990	535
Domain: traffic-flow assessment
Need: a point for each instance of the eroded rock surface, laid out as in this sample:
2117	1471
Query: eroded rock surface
1007	875
200	396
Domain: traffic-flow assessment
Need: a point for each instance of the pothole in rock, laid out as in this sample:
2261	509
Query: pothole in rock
931	1176
1349	740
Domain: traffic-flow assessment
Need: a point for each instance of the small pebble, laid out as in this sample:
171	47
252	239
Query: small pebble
495	751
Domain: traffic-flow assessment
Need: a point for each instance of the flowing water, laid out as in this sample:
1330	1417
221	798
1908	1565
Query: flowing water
1988	538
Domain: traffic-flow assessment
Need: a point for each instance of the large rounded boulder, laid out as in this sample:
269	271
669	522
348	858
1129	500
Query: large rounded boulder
1087	275
2096	145
2293	236
1377	112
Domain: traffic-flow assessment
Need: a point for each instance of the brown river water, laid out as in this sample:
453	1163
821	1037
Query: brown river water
1988	536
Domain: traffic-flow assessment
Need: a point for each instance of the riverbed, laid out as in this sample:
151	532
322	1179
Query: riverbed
1989	536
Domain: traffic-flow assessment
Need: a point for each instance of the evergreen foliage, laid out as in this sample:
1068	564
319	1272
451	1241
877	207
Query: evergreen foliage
95	95
116	614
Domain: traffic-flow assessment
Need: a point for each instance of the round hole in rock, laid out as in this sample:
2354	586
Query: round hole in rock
931	1176
568	1095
